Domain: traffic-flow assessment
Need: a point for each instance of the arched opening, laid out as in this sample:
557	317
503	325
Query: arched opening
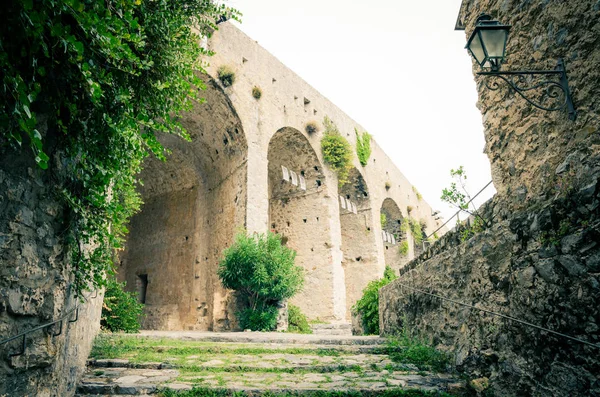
193	204
298	211
394	233
358	238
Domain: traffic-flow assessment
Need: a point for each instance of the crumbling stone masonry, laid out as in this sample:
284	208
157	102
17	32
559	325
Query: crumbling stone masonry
540	260
232	177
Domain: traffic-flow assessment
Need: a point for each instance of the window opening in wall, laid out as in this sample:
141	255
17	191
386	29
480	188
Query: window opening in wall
142	287
304	220
302	173
316	168
318	182
348	196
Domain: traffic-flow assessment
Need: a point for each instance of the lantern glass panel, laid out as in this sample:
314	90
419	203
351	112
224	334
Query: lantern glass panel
477	49
494	41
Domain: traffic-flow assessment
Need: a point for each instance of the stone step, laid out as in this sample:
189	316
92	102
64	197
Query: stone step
143	381
344	329
265	337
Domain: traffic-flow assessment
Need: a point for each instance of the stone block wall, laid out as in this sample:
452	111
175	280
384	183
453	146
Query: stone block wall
35	284
542	267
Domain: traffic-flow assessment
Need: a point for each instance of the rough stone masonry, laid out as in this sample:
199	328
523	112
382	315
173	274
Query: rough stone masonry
540	260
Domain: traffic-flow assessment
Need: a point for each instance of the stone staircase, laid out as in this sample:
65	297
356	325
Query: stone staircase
341	328
254	363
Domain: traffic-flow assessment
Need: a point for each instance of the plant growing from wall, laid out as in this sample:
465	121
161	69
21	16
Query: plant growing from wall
256	92
227	76
363	146
419	197
298	323
121	311
368	305
416	229
388	185
383	219
403	248
457	195
262	271
102	79
337	151
409	209
311	127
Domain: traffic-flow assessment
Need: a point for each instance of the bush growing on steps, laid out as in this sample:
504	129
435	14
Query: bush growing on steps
121	311
262	270
368	305
297	321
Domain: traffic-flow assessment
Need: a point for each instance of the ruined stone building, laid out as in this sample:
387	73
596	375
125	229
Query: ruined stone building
253	165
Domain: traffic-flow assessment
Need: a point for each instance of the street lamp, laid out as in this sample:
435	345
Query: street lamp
487	45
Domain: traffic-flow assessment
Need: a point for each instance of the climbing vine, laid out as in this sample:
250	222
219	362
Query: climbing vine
101	78
337	151
363	146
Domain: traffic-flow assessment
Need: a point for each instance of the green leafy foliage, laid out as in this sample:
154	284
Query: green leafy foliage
383	219
297	321
121	311
226	75
363	146
403	248
212	392
101	77
262	270
416	229
419	196
457	195
368	305
406	349
261	318
337	151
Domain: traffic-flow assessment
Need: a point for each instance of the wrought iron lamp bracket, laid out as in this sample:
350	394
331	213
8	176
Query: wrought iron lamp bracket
553	89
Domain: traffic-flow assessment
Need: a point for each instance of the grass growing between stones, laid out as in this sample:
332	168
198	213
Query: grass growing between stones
204	392
406	349
138	349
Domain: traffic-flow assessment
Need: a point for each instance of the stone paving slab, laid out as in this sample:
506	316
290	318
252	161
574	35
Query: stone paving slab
263	337
141	381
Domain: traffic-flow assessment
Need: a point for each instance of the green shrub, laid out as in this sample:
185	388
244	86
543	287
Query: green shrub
388	185
120	310
403	248
262	270
297	321
363	146
256	92
411	350
416	230
337	151
368	305
226	75
383	219
262	319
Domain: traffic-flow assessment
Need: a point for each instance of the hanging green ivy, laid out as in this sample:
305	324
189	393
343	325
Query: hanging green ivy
337	151
363	146
106	76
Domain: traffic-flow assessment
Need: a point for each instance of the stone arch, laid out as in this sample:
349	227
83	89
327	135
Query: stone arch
193	205
394	228
358	237
298	210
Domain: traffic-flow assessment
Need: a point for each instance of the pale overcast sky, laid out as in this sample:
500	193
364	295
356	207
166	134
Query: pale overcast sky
396	67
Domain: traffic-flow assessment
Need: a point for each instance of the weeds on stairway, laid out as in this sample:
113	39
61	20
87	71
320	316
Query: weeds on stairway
408	349
297	321
206	392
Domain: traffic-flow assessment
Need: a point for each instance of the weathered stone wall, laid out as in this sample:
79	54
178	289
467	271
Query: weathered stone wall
540	260
542	267
536	154
35	284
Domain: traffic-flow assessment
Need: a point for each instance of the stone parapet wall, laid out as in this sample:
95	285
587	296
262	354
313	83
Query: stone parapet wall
541	266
